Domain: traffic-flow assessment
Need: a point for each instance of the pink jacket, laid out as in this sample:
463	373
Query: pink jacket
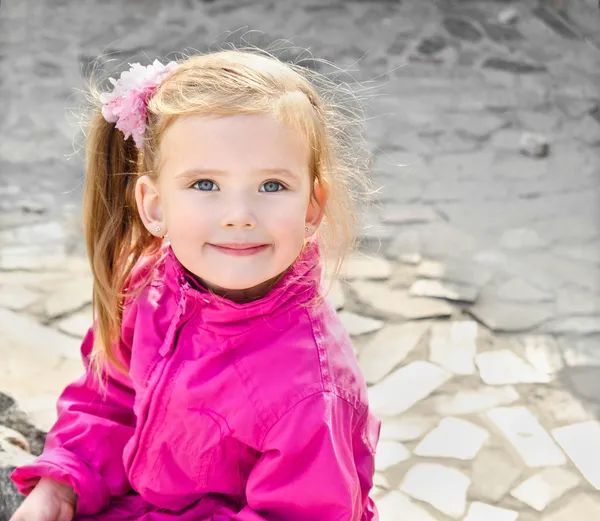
230	411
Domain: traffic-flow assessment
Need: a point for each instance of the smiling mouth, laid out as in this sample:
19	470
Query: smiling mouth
240	249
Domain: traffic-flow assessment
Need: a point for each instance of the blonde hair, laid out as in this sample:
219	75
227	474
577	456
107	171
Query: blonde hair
221	83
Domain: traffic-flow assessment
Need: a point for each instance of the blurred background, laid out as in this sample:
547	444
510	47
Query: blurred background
474	303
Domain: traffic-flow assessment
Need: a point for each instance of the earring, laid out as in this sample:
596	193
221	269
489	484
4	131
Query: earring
307	228
158	229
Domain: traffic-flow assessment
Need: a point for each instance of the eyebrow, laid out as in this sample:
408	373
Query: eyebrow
196	172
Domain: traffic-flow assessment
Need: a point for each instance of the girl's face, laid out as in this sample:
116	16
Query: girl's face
234	196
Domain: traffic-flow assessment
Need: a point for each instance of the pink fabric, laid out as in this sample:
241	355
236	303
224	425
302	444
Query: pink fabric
244	412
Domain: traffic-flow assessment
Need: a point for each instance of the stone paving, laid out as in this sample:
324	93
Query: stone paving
474	305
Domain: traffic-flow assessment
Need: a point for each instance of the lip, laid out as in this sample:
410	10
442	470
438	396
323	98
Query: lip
240	249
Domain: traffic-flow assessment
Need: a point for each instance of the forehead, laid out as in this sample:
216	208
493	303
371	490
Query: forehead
254	141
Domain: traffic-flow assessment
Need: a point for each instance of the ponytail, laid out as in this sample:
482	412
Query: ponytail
114	234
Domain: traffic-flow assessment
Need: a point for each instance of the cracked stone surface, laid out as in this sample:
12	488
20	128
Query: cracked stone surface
483	232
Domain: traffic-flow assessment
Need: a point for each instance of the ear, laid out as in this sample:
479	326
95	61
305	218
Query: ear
147	199
316	206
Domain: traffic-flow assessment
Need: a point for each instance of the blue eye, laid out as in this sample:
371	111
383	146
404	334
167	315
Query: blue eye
205	185
272	186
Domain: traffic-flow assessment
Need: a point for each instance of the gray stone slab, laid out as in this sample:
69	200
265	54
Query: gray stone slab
573	325
510	317
517	289
455	270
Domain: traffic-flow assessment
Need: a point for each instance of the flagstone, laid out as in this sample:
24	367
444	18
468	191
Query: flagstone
546	486
474	401
484	512
443	289
530	440
395	505
390	453
398	303
405	387
444	488
503	367
389	347
357	325
453	346
581	442
453	438
407	427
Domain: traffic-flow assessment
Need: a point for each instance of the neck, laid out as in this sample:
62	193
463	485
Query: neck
242	296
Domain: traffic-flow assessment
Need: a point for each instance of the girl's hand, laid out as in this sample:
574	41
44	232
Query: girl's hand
50	500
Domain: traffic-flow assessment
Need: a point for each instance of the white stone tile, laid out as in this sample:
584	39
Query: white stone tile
358	325
77	325
398	303
39	338
405	387
453	346
390	453
453	438
389	347
33	257
361	266
408	427
581	442
376	493
484	512
543	353
395	506
503	367
582	507
17	297
531	441
379	480
444	289
444	488
546	486
70	297
474	401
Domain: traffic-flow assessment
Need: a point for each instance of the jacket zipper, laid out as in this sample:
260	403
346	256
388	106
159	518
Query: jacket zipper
149	410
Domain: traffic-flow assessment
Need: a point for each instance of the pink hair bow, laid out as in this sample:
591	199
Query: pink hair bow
126	104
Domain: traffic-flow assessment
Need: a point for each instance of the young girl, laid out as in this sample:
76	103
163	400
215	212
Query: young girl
219	385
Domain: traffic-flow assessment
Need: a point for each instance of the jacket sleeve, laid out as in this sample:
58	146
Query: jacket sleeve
84	447
314	467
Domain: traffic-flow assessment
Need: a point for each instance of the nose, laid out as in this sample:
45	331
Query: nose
238	213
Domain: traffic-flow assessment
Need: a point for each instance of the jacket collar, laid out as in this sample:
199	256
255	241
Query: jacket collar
298	285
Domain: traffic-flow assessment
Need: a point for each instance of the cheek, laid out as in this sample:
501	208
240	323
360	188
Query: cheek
184	215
